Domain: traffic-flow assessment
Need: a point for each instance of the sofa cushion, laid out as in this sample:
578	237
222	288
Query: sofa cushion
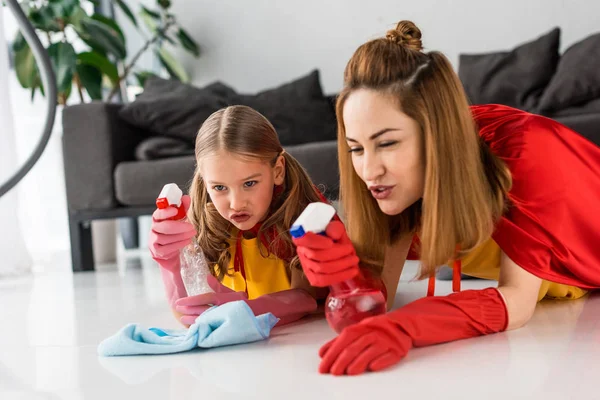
298	110
577	78
515	78
138	183
591	107
157	147
321	162
171	108
588	125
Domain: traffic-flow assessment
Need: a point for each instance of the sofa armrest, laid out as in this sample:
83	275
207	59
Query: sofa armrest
94	141
321	162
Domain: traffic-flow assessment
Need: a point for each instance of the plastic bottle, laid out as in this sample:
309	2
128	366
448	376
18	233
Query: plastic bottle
350	301
194	268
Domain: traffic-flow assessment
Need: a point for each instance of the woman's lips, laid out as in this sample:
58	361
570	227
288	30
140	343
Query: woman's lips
381	192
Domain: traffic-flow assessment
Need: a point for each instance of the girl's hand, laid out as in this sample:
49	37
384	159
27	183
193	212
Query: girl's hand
193	306
168	237
327	259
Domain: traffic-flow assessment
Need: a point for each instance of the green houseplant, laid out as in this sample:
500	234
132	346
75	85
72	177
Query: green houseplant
88	50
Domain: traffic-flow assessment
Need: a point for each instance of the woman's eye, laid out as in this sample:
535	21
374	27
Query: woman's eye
219	188
250	183
354	149
388	144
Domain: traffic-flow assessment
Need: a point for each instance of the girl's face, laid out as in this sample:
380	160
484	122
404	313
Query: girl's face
241	188
386	148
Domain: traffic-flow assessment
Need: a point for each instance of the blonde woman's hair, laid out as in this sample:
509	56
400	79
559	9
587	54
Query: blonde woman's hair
242	131
465	184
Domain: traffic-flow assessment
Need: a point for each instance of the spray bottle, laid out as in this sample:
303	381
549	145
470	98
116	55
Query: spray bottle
194	268
350	301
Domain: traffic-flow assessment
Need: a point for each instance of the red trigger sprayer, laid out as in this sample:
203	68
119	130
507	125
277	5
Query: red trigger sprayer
170	196
350	301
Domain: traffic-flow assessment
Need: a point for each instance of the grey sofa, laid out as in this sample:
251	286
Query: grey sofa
106	177
104	180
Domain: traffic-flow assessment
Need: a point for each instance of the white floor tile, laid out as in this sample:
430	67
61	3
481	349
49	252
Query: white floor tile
53	321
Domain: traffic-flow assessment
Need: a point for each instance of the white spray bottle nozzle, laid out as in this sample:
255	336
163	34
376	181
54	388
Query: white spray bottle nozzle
172	194
314	218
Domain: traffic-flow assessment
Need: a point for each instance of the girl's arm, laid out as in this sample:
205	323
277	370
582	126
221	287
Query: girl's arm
287	305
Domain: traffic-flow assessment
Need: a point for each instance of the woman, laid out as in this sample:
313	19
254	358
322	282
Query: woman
503	193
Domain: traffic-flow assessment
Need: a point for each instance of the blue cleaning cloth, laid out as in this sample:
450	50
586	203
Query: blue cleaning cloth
231	323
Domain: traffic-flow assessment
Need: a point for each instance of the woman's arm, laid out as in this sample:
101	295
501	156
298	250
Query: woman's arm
395	257
519	289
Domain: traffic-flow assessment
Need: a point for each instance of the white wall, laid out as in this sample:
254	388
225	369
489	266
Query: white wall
260	43
256	44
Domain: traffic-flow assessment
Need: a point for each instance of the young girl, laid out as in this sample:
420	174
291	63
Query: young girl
513	195
245	195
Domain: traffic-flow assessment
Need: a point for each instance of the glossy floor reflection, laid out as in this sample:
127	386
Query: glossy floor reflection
53	321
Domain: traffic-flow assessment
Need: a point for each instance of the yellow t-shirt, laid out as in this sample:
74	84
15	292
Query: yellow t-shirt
484	262
264	275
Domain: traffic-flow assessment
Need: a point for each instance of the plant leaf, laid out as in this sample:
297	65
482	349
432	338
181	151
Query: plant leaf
127	11
43	18
111	23
152	13
19	43
102	38
168	38
172	66
91	79
76	17
164	4
188	43
64	60
25	67
63	8
101	63
149	21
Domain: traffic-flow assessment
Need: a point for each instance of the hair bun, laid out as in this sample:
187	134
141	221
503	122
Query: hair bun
406	34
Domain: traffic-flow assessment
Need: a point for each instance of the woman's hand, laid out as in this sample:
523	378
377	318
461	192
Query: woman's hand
328	259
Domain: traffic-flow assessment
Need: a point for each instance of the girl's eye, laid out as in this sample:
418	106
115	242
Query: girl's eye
388	144
250	183
219	188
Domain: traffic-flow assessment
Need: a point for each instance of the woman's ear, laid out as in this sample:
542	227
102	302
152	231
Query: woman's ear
279	170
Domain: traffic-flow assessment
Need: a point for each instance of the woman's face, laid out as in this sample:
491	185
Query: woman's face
386	147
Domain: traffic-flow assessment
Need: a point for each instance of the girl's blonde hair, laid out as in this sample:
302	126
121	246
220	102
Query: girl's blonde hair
245	132
465	184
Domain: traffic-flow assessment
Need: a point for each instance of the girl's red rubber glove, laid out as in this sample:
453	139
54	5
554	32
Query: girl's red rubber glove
327	259
379	342
288	305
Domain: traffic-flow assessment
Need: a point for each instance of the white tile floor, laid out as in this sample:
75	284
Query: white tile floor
52	323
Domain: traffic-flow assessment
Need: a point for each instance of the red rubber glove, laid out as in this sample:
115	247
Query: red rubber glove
379	342
329	259
167	238
288	305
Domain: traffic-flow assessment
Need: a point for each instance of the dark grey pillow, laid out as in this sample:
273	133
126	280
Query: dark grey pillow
162	147
516	78
171	108
298	110
577	78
